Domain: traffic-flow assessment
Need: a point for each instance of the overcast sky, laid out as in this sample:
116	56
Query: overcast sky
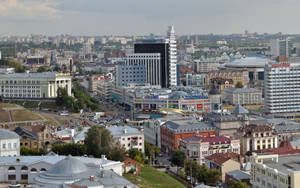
128	17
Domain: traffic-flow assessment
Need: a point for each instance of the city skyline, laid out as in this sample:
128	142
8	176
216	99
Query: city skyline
134	17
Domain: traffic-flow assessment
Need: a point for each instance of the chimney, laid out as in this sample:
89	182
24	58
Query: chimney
92	178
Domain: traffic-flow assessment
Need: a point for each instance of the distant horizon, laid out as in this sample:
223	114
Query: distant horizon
141	17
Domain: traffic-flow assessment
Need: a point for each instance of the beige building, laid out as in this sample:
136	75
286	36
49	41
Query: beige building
34	85
243	96
257	137
275	171
225	162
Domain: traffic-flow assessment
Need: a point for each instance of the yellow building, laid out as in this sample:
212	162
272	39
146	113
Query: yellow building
275	171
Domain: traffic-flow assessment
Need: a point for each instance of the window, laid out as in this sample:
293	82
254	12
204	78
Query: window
12	177
33	170
3	146
11	168
24	168
24	176
43	170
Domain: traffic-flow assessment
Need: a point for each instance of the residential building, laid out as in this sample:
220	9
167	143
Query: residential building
205	65
281	88
281	171
281	47
128	137
34	85
242	96
172	131
257	137
131	166
224	162
9	143
98	79
198	147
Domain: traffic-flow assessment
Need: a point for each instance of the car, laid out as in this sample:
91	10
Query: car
188	178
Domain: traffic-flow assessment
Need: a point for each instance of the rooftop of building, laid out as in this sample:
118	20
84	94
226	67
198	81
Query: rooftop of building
242	90
155	92
6	134
248	62
239	175
239	109
52	159
249	129
49	75
221	117
220	158
211	139
285	163
189	125
123	131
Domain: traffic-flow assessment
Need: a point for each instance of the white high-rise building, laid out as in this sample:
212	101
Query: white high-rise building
282	89
171	39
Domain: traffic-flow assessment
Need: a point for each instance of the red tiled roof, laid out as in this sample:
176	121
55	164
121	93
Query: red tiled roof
211	139
285	148
220	158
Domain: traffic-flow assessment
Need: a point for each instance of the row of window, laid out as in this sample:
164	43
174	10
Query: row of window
9	145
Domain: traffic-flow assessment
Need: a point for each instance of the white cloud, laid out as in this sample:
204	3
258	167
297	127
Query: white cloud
29	10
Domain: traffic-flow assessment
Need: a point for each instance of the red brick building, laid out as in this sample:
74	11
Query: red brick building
171	131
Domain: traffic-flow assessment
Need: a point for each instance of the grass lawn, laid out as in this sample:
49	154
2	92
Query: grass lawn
24	115
8	105
4	117
152	178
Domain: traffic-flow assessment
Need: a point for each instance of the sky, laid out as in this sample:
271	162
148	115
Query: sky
140	17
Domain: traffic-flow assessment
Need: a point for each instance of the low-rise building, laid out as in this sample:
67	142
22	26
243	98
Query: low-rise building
242	96
225	162
172	131
9	143
198	147
128	137
275	171
34	85
26	168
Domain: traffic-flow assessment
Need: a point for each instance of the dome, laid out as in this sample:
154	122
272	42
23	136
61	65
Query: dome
69	165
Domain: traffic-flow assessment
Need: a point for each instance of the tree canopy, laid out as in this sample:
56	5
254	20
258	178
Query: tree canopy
239	85
178	158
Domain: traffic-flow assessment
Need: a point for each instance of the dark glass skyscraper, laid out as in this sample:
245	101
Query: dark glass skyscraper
163	50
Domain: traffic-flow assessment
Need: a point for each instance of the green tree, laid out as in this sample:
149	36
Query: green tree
178	158
137	155
42	69
239	85
212	177
69	149
238	184
118	154
98	141
25	151
149	151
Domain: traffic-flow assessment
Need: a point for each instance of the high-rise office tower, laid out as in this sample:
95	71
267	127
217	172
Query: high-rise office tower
168	57
281	47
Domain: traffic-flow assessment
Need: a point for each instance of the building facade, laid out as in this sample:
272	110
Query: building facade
34	85
128	137
258	137
275	171
172	131
243	96
281	47
9	143
198	147
282	88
